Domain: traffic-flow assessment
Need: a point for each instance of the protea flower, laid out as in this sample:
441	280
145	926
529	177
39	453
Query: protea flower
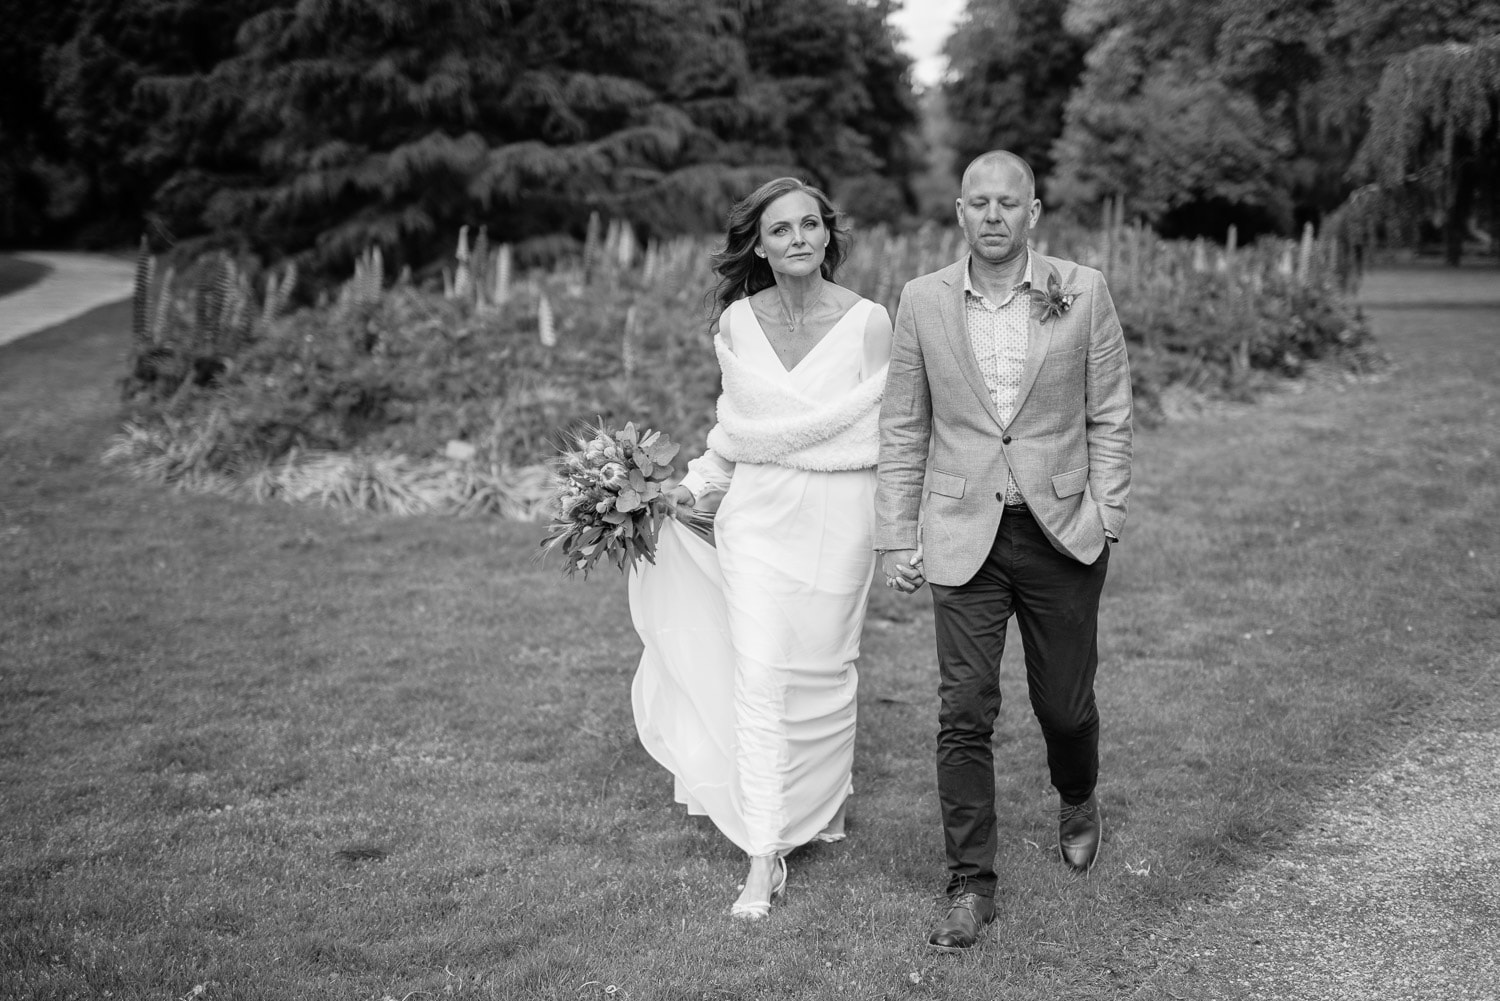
614	476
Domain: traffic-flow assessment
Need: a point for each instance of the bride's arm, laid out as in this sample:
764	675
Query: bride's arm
708	475
878	337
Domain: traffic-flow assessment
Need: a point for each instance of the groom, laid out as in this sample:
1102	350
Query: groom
1005	441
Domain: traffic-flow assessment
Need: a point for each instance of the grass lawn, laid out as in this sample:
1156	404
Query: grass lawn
16	274
296	753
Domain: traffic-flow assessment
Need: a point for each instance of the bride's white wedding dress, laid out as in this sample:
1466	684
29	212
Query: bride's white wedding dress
746	688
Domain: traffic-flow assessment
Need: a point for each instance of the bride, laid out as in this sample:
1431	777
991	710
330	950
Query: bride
746	688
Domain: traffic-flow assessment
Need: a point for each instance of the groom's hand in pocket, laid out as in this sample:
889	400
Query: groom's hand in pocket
901	569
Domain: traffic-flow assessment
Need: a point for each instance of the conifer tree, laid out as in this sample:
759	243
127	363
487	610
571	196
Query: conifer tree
336	126
317	128
92	81
32	149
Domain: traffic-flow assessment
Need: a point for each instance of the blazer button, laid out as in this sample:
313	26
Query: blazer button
1005	440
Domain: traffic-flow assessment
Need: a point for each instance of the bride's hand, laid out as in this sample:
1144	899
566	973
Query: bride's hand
682	500
903	569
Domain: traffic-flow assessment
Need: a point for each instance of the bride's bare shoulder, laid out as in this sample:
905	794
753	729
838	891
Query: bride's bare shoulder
843	298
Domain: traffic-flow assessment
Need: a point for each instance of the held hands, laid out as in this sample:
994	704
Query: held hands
902	569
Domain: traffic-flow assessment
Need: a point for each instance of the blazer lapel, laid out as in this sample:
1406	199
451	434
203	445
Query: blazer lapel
951	310
1039	337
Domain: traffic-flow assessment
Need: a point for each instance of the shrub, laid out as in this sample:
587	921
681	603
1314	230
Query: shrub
228	388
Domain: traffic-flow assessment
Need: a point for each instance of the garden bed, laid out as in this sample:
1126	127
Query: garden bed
454	399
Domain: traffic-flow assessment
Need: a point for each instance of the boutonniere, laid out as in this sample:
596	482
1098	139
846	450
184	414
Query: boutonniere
1054	301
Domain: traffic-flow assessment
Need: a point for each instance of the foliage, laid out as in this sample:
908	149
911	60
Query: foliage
1167	135
1428	100
1011	67
1154	119
503	368
835	95
1435	134
34	179
1283	84
614	498
107	169
313	130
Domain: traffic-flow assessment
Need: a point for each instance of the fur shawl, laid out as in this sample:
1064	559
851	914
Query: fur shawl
763	420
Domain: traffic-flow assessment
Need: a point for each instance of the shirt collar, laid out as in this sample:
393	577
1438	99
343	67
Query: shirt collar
1024	283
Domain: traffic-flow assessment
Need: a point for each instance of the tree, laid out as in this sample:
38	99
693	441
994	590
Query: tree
887	192
834	93
33	153
1312	64
1306	66
92	80
335	126
318	127
1011	67
1435	131
1172	138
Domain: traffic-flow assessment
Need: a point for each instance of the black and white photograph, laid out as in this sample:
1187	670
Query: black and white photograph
750	500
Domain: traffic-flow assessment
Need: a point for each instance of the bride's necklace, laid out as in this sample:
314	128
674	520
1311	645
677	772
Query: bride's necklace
792	323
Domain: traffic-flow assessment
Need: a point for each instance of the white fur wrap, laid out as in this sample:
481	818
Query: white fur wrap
762	420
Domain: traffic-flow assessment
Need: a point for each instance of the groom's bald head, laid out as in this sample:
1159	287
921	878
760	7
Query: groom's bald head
998	158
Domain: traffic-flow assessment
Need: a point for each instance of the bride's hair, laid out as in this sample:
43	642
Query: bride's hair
741	273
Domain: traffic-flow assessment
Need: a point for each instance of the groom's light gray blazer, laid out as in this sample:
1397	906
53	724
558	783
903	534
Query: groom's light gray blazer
944	455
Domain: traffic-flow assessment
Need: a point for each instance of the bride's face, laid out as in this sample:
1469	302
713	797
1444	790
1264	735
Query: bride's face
793	239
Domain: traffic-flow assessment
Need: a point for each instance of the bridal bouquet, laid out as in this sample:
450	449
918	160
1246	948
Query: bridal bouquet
613	499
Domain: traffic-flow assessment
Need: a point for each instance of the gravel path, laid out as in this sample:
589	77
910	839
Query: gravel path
1393	892
77	284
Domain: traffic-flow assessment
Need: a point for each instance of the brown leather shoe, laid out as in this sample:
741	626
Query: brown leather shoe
1080	828
967	915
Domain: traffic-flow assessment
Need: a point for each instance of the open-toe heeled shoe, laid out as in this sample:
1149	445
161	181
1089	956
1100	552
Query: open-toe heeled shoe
757	909
830	837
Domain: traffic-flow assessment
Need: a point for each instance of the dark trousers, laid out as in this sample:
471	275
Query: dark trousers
1055	600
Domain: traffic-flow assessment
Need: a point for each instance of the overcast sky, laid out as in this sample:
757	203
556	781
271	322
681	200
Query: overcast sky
926	25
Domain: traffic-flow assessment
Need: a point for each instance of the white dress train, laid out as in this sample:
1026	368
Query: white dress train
746	687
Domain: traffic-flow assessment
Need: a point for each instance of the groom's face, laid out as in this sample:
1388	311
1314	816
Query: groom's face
997	209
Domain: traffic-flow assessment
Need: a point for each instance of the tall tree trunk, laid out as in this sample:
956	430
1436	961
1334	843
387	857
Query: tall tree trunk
1457	225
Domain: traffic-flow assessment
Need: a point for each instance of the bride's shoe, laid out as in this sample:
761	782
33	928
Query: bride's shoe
755	910
834	832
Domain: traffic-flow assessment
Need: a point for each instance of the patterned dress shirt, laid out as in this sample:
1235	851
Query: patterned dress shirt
998	333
